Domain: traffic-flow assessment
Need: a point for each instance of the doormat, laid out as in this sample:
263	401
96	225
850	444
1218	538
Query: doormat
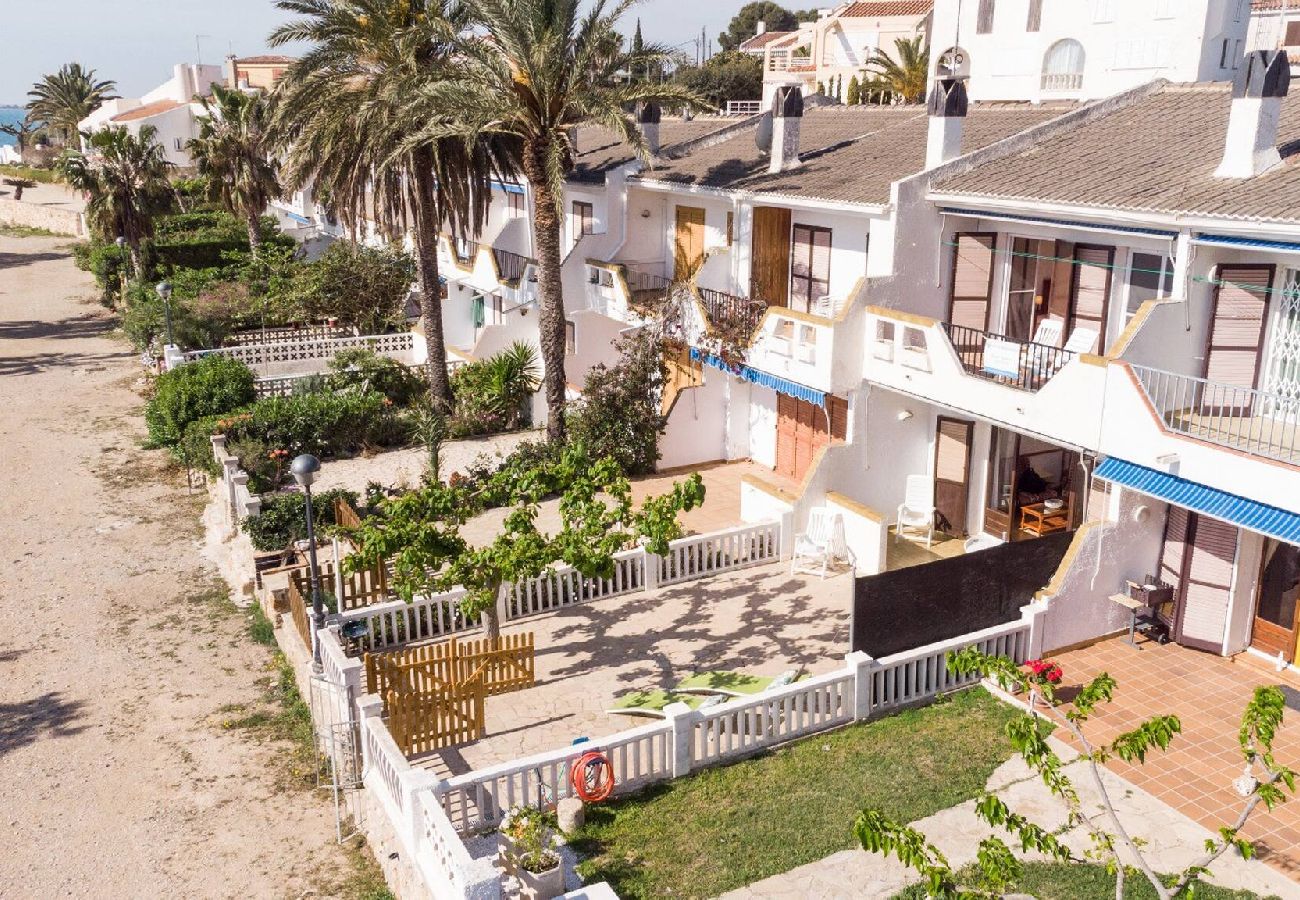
1292	696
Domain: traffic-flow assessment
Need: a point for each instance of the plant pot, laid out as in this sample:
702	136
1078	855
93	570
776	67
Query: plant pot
541	885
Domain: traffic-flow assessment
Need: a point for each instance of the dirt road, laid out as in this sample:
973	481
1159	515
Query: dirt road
119	662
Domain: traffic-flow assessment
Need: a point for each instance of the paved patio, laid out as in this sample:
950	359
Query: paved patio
1208	694
762	620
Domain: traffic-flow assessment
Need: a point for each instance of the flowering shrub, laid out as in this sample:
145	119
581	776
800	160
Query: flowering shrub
532	841
1044	671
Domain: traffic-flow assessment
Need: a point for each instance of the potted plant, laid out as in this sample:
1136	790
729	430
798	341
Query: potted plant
529	852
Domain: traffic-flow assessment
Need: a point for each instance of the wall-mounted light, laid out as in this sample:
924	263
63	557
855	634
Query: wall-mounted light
645	213
904	415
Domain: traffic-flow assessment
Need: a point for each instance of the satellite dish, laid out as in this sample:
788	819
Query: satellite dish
763	134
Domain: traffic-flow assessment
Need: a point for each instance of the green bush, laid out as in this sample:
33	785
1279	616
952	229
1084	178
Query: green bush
620	414
107	263
324	424
283	518
492	395
207	387
361	286
363	370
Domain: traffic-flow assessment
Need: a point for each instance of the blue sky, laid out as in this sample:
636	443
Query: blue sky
136	42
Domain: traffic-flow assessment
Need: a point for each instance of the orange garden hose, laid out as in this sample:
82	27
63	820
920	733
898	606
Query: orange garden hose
592	777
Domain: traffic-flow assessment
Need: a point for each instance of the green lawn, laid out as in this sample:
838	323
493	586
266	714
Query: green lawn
729	826
1050	881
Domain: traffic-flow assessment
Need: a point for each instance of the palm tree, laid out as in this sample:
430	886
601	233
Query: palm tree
342	117
234	152
127	185
63	99
544	69
21	129
904	77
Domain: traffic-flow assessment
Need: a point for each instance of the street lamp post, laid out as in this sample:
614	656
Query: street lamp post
304	469
121	270
164	290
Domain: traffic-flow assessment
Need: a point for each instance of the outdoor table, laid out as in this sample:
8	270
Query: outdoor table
1132	606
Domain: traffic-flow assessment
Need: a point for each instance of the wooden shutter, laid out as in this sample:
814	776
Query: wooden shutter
1090	297
1292	38
1208	585
810	266
785	434
769	279
1035	15
984	24
972	280
952	474
1173	555
689	239
1237	328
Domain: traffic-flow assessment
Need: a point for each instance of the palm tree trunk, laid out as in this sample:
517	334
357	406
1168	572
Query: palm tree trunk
254	234
425	241
550	326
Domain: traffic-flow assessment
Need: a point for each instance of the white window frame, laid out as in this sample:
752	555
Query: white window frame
1167	268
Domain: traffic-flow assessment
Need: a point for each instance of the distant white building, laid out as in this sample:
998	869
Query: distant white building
1034	50
172	109
1275	25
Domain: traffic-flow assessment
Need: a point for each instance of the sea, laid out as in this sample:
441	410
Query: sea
9	115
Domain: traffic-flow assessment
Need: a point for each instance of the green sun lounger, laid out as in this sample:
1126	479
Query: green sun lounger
734	684
653	703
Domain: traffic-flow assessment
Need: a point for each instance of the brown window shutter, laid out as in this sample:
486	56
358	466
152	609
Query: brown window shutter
1035	16
1292	38
1173	554
1213	552
985	22
838	408
1091	290
1237	328
972	280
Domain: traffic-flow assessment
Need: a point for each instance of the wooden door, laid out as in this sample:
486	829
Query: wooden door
972	280
1236	334
688	241
1207	584
1277	612
952	474
801	431
1090	291
769	275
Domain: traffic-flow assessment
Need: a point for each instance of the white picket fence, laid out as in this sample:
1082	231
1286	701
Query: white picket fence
691	739
707	554
310	349
565	586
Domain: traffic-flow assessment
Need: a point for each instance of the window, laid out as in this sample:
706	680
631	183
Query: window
1223	54
1150	277
514	205
1035	21
810	267
984	24
731	228
1165	9
570	337
1063	66
1103	11
1236	54
583	219
180	145
1292	38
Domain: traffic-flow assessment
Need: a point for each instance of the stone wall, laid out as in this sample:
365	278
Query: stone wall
35	215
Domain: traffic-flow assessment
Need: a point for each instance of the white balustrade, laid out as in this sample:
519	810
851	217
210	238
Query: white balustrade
399	622
720	551
916	675
565	586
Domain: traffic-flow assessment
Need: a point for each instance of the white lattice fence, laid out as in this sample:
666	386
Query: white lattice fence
399	622
322	348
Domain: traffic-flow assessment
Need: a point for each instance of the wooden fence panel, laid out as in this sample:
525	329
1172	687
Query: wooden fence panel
360	589
345	515
510	665
298	608
424	721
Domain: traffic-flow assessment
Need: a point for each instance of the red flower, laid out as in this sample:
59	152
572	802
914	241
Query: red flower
1044	671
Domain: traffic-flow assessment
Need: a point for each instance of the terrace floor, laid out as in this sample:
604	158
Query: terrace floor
911	550
1208	694
761	620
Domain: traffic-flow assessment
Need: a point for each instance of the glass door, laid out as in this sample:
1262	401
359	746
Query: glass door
1275	606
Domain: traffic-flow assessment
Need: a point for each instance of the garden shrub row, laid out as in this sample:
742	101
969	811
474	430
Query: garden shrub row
208	387
283	518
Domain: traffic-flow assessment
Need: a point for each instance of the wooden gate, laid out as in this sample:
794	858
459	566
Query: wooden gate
507	665
425	720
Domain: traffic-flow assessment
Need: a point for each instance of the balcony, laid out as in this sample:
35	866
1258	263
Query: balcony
1257	423
510	266
465	251
730	313
1062	81
1023	365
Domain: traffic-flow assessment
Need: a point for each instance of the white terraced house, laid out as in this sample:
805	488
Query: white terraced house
172	109
1057	317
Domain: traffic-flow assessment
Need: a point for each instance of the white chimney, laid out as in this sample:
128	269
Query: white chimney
1250	148
647	117
762	28
947	107
787	116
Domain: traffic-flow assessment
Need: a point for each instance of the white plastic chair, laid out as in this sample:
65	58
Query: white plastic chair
821	542
1049	332
917	508
1082	340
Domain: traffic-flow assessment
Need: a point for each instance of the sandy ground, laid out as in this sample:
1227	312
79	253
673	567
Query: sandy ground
118	664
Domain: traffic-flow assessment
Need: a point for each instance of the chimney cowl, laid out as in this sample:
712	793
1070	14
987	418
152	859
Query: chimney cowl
1267	73
761	29
788	102
1250	144
948	99
787	117
648	114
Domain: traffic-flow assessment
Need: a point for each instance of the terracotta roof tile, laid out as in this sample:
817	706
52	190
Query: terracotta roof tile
144	112
759	41
1157	155
266	60
880	9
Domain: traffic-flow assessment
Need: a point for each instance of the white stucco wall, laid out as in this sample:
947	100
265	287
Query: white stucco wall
762	425
693	434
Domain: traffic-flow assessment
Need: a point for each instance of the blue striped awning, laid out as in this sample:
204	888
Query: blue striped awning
508	186
759	377
1249	514
1228	240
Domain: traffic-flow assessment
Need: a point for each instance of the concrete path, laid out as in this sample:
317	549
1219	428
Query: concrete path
1174	841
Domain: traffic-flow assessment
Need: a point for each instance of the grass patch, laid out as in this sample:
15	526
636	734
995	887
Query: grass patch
25	231
726	827
260	628
1056	881
43	176
283	717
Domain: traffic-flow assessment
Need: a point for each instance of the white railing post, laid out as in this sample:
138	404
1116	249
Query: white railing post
862	666
682	720
1035	614
413	782
229	466
786	539
651	563
369	706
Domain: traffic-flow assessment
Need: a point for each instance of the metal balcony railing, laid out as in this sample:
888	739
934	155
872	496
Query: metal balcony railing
466	251
510	266
1062	81
1256	422
728	310
1027	369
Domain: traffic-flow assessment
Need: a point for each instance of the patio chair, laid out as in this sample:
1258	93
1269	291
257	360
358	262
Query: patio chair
917	508
1049	332
734	684
652	703
821	542
1082	340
